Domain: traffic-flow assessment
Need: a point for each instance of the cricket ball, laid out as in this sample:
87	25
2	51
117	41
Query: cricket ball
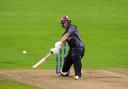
24	52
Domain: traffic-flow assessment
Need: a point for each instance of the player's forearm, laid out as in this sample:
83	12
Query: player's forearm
64	38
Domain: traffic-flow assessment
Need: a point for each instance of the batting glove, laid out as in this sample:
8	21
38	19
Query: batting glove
55	51
58	44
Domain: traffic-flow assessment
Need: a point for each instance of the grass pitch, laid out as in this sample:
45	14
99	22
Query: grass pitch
34	26
10	84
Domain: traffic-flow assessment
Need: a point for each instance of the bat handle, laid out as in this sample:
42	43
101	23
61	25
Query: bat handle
51	52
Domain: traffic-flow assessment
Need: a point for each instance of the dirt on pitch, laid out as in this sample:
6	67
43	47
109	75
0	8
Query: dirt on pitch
92	79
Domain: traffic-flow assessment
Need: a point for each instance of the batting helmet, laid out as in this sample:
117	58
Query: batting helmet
65	19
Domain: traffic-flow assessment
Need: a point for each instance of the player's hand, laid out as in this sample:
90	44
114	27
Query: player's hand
58	44
55	50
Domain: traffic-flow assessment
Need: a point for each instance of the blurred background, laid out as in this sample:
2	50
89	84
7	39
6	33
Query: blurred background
34	26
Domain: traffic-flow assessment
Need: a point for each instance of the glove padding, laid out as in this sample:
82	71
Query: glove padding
55	50
58	44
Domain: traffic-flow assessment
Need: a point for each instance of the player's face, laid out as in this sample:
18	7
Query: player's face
65	25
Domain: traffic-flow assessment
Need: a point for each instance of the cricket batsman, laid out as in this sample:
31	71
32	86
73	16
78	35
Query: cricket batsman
76	48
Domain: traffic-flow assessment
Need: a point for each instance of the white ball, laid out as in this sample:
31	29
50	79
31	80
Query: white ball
24	52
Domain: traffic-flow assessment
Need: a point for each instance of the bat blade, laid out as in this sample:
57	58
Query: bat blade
42	60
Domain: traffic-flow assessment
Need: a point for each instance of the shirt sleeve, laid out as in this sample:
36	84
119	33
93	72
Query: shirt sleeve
71	30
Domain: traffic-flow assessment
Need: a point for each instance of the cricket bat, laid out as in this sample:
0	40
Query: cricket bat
42	60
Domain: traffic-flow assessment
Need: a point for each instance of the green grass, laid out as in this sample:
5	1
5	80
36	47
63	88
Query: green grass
10	84
34	26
